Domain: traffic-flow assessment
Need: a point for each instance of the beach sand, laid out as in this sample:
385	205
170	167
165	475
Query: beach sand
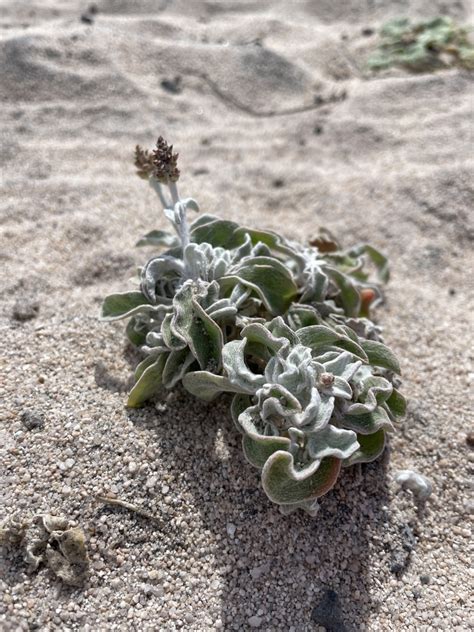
278	125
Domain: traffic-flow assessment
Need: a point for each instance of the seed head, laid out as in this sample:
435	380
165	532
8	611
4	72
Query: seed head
143	162
165	163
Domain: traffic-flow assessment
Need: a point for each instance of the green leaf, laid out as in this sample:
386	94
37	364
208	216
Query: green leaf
148	384
348	294
397	404
206	385
170	339
270	280
316	337
176	366
284	485
217	232
158	238
256	332
123	305
380	355
144	364
205	340
378	259
273	241
371	447
258	450
368	423
240	403
136	335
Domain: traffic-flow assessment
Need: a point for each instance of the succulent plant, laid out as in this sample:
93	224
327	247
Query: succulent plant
423	46
284	327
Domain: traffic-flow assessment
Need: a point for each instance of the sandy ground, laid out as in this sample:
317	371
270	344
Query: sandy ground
277	126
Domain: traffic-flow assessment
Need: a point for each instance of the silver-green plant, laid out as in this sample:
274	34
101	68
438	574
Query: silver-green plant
423	46
285	327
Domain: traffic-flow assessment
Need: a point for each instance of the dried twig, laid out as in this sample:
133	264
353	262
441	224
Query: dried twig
110	500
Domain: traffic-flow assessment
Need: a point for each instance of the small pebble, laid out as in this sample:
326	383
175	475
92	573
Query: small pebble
255	621
31	419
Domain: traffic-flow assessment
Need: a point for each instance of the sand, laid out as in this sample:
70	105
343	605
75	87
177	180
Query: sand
278	126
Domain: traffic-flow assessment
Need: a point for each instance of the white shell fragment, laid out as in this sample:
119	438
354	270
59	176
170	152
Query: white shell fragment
415	482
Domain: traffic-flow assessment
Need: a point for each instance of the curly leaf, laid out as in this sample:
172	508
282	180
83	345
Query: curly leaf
348	294
176	366
368	423
258	450
239	374
380	355
217	233
149	383
332	441
379	260
283	484
123	305
316	336
206	385
269	279
397	404
371	446
158	238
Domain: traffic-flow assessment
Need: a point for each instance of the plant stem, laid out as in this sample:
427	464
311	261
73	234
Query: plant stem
156	186
183	222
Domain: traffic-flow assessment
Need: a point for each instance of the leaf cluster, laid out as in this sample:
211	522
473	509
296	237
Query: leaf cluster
423	46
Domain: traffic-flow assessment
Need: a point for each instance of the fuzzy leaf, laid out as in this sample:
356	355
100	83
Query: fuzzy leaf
217	233
332	441
371	446
380	355
284	485
206	385
348	294
205	340
148	384
122	305
379	260
397	404
176	366
316	336
136	335
158	238
237	370
258	450
368	423
269	279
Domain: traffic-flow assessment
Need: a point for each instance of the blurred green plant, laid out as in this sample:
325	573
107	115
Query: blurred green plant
423	46
284	327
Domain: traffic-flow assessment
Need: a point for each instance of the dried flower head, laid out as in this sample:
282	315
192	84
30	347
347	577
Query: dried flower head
143	162
165	162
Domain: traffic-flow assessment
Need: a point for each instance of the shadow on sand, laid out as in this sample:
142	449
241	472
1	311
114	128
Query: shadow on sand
285	570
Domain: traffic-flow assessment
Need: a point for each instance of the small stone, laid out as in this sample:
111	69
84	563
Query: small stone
132	468
470	439
69	463
165	489
255	621
25	309
231	529
257	572
425	579
31	419
151	482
